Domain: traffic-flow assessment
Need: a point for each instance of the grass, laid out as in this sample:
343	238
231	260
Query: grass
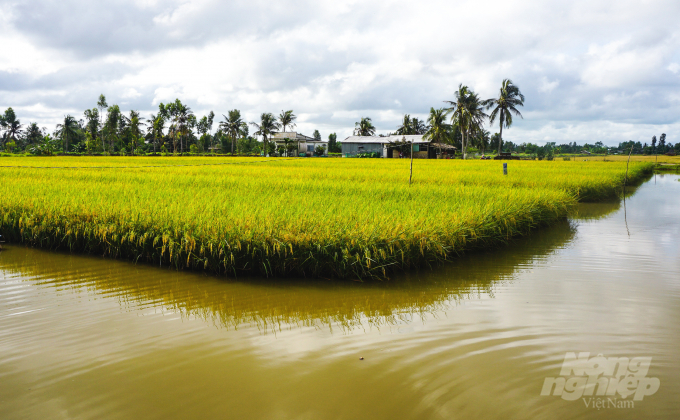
354	218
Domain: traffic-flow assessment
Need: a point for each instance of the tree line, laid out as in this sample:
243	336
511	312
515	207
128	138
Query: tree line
175	128
105	129
462	122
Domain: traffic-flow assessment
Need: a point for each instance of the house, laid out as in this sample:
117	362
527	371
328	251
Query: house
305	145
389	146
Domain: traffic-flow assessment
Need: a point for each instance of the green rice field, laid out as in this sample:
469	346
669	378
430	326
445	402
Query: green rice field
347	218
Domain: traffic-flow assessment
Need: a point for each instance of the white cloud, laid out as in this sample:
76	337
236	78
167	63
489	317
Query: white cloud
547	86
586	67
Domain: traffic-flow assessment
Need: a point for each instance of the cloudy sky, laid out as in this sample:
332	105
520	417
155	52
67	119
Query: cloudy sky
591	70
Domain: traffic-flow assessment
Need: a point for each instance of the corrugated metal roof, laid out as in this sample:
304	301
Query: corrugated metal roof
417	138
291	135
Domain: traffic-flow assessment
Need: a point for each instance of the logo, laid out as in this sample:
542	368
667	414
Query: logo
602	382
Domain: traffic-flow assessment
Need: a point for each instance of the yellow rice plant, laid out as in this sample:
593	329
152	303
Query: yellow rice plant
311	217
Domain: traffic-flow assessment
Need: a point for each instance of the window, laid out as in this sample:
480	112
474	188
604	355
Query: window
310	148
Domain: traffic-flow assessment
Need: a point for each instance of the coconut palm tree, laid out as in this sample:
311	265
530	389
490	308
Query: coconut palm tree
482	139
364	127
459	112
155	128
411	126
33	134
232	125
112	124
405	127
134	121
467	113
183	120
101	105
505	106
92	125
266	127
438	131
11	125
287	119
67	130
418	126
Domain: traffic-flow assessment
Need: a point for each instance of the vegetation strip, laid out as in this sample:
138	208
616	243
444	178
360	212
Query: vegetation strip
146	166
325	218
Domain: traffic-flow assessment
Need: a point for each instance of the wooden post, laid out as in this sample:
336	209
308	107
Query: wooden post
411	175
625	180
505	168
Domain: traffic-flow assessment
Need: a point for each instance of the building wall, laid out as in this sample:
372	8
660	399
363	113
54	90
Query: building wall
304	147
353	148
416	155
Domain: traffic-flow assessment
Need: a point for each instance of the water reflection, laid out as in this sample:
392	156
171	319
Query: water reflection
95	338
273	305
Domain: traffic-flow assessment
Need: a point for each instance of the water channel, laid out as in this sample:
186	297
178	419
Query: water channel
82	337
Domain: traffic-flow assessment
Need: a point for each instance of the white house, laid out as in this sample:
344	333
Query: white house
305	145
385	146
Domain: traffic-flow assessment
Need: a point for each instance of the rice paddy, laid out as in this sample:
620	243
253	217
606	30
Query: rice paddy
347	218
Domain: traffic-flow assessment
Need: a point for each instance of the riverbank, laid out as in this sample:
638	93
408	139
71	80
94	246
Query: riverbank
347	218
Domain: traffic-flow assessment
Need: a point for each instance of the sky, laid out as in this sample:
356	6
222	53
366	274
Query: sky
591	70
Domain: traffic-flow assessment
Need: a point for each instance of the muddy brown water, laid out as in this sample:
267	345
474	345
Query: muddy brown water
83	337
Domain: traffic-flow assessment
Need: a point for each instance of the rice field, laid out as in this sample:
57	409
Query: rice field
633	158
347	218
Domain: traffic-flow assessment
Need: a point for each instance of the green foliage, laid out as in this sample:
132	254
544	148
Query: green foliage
319	150
333	145
364	127
505	106
540	153
367	155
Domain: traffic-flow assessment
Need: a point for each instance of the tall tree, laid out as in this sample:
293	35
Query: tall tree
112	125
266	128
505	106
232	125
181	116
317	135
364	127
67	131
410	126
333	143
438	130
418	126
211	119
482	139
11	125
653	144
101	105
467	113
33	134
92	123
405	127
287	119
662	143
134	123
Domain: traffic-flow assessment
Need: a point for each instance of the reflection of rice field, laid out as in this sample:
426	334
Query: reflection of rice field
273	306
314	217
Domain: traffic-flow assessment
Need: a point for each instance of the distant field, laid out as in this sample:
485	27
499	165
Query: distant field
633	158
354	218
